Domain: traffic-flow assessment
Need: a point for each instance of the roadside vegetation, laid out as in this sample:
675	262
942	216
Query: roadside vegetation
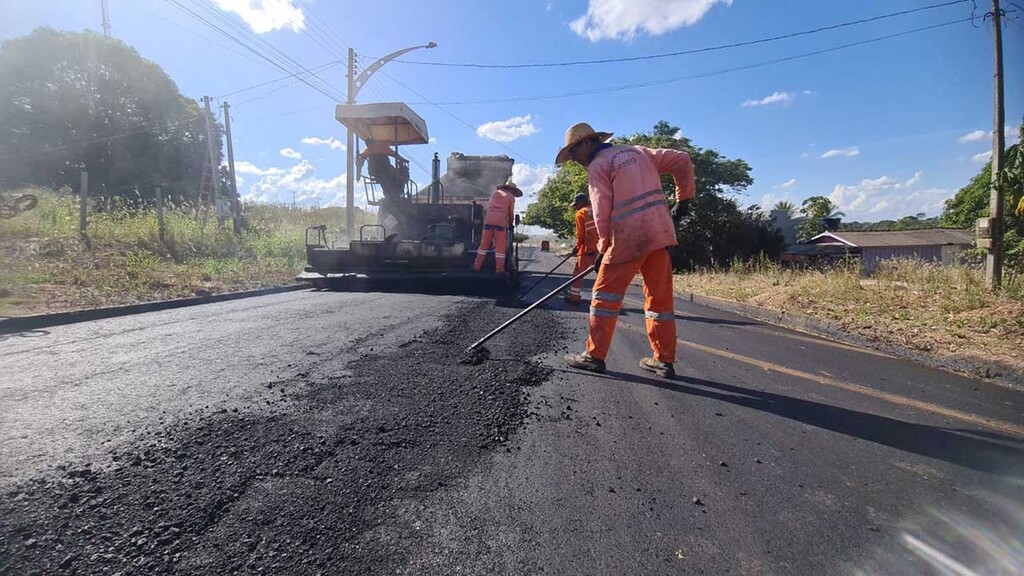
941	310
48	267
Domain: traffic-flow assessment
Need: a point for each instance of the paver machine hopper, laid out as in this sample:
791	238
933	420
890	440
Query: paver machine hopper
422	234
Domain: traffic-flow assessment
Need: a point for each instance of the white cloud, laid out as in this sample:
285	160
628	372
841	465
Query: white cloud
982	158
507	130
1009	134
530	179
976	136
623	19
276	186
776	98
244	167
266	15
432	140
809	92
888	198
786	185
290	153
331	142
845	152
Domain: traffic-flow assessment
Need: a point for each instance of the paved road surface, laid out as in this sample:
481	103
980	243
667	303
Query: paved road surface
772	452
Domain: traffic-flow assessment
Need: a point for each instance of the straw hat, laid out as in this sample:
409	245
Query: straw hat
511	187
577	133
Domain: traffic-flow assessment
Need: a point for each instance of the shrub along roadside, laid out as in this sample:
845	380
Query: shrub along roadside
943	311
47	268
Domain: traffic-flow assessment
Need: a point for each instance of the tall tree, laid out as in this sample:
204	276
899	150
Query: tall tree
72	101
718	232
972	202
786	206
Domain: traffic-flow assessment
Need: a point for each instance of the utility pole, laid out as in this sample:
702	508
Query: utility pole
106	17
214	164
350	184
994	260
235	203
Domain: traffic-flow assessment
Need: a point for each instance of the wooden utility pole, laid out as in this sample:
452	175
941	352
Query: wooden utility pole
994	261
350	193
214	164
105	12
236	207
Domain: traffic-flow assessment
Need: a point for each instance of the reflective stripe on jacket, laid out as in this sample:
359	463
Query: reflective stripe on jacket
500	208
586	231
630	209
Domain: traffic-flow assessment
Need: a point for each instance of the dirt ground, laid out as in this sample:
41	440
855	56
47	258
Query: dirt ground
312	480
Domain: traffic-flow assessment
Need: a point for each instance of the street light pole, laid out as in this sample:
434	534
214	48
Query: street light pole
354	85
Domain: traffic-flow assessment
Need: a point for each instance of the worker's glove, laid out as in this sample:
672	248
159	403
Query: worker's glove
680	210
597	260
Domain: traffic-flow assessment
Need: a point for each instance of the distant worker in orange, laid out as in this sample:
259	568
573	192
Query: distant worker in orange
497	222
635	228
377	155
586	244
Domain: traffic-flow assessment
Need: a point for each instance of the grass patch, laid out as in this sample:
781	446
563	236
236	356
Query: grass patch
48	268
945	310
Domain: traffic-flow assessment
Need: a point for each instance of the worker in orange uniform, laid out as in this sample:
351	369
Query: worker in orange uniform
635	228
392	179
586	244
497	221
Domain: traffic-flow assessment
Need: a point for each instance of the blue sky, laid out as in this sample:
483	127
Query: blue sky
887	129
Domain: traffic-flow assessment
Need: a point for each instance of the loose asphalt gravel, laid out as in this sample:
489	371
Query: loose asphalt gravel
300	478
341	433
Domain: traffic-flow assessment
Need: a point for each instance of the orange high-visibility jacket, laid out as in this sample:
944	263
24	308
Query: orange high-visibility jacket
500	209
630	208
586	232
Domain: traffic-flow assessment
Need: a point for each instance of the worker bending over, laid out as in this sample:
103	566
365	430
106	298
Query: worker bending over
635	229
497	222
586	244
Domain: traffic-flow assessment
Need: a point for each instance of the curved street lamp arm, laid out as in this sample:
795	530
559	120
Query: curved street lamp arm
369	71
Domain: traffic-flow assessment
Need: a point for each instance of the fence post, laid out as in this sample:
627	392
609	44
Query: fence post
160	215
83	209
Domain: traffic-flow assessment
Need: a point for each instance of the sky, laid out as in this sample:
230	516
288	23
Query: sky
887	127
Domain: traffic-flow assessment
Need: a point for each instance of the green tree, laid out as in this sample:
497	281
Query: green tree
553	208
972	202
786	206
816	209
718	232
72	101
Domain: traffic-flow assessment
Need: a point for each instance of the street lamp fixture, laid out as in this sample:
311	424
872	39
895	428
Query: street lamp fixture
355	83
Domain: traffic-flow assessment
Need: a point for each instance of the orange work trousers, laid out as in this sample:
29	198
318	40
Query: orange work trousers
583	262
496	235
609	290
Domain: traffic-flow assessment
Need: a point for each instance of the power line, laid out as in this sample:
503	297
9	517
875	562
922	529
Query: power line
319	68
649	84
244	31
453	115
140	128
194	33
276	60
688	52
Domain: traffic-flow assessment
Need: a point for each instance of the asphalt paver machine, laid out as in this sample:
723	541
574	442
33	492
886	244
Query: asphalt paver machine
422	234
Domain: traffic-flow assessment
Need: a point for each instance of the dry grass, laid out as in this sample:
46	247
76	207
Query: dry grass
47	268
946	311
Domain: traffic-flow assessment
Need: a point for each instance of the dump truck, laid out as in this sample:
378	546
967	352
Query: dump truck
430	233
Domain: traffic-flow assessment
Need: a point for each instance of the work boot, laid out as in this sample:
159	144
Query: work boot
585	362
573	301
660	368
